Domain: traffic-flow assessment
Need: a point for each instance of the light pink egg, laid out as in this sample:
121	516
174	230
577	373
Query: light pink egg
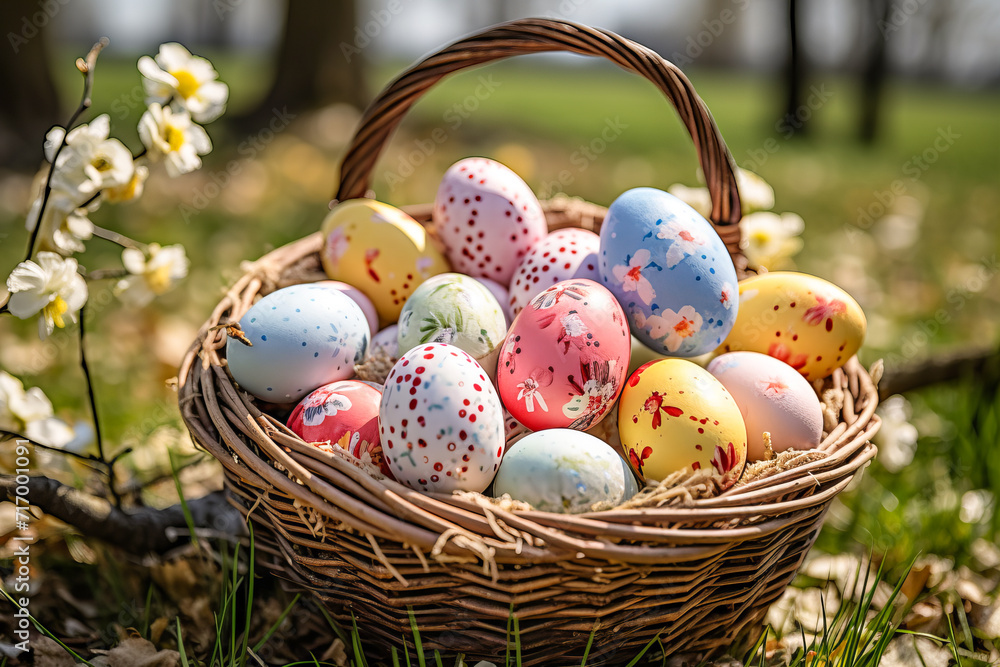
367	307
562	255
565	357
487	218
773	397
342	414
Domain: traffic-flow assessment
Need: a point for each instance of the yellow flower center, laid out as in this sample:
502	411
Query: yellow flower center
158	279
760	238
101	163
187	85
55	310
174	137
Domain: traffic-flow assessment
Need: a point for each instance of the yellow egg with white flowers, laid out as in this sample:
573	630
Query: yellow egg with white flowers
381	251
805	321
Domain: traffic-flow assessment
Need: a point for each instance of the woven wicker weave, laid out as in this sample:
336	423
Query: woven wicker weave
681	561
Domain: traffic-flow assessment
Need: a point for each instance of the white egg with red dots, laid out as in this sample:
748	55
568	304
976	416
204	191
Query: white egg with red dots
440	420
301	337
487	218
562	255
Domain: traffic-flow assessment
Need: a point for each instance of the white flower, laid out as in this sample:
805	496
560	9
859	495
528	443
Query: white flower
755	193
770	240
697	198
90	161
29	413
52	289
171	134
129	190
897	437
671	326
63	229
188	80
153	277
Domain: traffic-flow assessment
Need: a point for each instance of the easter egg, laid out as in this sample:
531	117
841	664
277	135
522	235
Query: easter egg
379	250
502	297
565	357
562	255
358	297
441	421
670	271
673	415
302	337
487	218
807	322
452	308
772	397
342	414
386	342
565	471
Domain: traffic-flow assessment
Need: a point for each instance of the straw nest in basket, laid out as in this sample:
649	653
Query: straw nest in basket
682	561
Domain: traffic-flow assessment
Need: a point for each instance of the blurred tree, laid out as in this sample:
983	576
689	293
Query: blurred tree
320	59
795	73
30	105
875	19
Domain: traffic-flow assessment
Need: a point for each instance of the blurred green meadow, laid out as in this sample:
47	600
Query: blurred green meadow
909	226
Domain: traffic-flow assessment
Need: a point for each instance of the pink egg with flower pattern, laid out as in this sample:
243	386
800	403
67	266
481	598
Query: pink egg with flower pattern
441	421
342	414
487	218
562	255
565	358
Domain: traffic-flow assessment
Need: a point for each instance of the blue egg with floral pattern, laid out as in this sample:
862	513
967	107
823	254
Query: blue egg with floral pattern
301	337
670	272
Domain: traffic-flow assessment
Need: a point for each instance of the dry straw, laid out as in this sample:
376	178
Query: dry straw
682	561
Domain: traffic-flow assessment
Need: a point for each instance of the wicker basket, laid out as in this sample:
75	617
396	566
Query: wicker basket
694	567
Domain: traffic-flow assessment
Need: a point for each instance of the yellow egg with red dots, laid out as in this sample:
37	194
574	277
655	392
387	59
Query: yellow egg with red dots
381	251
673	415
807	322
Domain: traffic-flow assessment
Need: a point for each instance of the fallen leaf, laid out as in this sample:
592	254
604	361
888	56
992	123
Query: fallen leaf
907	650
335	653
156	629
50	654
138	652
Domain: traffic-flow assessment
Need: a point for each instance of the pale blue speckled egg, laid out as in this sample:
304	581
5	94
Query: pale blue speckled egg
564	470
303	336
670	271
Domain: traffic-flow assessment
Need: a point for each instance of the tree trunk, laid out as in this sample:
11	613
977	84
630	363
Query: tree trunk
795	74
30	101
873	76
320	60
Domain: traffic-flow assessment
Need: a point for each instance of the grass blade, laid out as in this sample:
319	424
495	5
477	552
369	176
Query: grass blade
417	644
645	648
517	641
249	604
180	644
41	628
437	659
281	619
590	642
395	658
359	655
188	519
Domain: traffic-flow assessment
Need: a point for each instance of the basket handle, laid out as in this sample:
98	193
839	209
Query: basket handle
538	35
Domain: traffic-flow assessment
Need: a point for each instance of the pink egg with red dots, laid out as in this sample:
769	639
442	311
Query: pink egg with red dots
562	255
487	218
441	421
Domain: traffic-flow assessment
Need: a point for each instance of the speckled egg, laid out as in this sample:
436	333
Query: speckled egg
673	415
772	397
565	357
342	414
441	421
566	471
358	297
381	251
386	342
302	336
809	323
452	308
487	218
670	271
562	255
